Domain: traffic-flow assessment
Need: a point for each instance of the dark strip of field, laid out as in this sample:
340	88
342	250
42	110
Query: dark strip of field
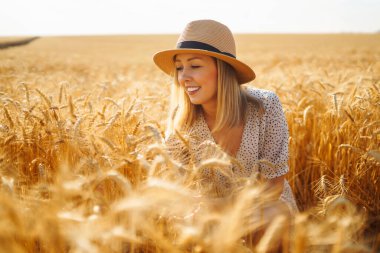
16	43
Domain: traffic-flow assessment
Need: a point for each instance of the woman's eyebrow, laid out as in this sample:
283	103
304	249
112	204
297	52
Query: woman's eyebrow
190	59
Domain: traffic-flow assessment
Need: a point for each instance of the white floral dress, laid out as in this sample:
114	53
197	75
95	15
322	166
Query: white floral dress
264	138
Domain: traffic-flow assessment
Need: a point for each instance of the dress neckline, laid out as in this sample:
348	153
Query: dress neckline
243	136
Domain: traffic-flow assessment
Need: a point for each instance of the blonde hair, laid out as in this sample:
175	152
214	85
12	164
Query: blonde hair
232	102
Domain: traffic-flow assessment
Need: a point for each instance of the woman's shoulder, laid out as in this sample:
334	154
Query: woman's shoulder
259	93
267	97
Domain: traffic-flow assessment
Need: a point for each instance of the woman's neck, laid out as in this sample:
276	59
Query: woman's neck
209	112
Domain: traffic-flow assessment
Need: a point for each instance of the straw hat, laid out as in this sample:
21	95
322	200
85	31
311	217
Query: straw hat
206	37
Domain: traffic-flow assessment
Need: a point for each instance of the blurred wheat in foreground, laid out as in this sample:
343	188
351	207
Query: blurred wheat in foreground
83	165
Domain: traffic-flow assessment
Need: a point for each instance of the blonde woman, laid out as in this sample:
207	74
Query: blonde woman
209	103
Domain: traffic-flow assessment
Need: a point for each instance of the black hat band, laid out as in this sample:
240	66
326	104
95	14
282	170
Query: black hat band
202	46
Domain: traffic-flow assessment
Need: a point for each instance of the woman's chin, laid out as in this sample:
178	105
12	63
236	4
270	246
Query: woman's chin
195	102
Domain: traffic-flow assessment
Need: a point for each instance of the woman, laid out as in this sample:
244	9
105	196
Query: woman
209	104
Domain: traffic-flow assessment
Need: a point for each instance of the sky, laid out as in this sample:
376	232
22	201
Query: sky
108	17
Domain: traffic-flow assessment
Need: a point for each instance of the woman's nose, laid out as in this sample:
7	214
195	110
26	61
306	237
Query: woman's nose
184	75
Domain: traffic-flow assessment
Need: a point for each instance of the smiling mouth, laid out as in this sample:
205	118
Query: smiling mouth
192	89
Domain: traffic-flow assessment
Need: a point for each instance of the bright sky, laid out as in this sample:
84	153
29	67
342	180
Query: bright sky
90	17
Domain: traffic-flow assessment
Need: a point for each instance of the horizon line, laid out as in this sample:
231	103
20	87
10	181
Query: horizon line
165	34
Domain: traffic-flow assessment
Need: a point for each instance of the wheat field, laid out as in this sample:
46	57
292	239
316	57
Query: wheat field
84	168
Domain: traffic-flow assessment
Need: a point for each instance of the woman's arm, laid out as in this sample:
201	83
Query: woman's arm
275	204
275	186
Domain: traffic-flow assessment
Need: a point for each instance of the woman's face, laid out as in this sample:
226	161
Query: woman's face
198	75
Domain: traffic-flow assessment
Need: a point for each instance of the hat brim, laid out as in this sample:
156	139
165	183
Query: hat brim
165	61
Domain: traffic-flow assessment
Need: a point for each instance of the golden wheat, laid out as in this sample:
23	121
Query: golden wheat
84	168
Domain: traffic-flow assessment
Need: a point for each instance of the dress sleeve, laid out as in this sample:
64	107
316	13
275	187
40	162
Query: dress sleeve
177	149
274	151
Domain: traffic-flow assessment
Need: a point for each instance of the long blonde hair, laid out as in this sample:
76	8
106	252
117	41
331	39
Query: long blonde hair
232	102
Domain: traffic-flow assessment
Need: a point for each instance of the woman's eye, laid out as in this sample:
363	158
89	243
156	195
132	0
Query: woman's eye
193	67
